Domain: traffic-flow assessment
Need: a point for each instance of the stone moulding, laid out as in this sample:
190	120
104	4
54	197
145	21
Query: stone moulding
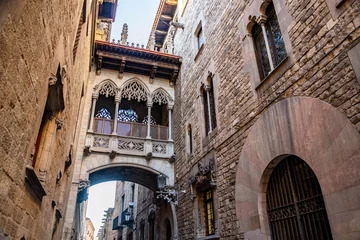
34	183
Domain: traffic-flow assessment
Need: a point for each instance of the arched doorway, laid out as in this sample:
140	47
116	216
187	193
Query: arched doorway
295	204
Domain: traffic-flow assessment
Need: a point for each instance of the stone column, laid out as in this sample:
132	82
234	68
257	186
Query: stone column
95	96
149	105
207	89
262	20
170	107
117	103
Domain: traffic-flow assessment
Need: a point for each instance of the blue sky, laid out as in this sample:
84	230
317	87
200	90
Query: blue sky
139	15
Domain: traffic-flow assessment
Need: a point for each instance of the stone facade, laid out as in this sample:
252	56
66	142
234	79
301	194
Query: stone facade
39	41
90	230
317	79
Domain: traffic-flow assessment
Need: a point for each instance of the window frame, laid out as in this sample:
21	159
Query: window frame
210	201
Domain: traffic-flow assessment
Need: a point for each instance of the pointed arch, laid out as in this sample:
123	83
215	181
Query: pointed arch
161	96
107	88
135	89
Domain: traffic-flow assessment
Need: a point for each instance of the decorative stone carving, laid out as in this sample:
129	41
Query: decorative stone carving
59	123
148	156
52	79
152	74
87	151
160	97
124	34
99	65
152	41
121	70
131	145
42	175
134	90
68	160
112	154
159	148
206	173
82	191
108	89
177	24
172	159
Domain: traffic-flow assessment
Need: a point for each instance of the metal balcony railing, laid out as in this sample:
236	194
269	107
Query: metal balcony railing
130	129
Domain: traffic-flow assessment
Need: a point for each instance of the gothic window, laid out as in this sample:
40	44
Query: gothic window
200	38
103	113
189	132
209	107
209	212
269	43
152	120
295	203
160	97
128	115
135	91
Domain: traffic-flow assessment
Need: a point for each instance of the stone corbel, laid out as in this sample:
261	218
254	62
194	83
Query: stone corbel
172	159
59	123
174	76
99	65
177	24
152	74
82	191
148	156
121	70
112	154
87	151
58	177
52	79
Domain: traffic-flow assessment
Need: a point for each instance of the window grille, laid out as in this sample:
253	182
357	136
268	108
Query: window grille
295	203
127	115
103	113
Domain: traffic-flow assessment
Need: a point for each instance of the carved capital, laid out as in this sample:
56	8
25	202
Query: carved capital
262	19
52	79
59	123
172	159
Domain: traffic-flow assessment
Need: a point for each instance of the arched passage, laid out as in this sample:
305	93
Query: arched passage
316	132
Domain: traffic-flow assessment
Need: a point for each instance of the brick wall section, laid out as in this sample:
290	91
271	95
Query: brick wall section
29	35
320	69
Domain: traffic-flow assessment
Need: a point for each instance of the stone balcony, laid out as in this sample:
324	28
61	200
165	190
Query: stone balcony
129	139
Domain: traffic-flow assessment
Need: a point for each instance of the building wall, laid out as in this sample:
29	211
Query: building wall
36	38
319	66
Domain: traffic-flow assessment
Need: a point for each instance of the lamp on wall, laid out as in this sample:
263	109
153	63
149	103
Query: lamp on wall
165	192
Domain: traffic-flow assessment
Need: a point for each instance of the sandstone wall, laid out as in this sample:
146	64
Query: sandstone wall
36	37
319	66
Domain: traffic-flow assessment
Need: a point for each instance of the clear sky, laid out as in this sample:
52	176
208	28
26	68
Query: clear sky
139	15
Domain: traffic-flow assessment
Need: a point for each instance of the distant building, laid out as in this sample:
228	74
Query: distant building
90	229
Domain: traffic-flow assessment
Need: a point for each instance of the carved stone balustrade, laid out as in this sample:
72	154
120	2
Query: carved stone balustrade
124	145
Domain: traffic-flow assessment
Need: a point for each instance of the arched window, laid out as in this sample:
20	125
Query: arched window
189	132
295	203
209	106
127	115
269	43
103	113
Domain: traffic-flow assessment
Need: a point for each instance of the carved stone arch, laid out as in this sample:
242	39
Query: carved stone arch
263	6
161	96
107	88
135	89
295	126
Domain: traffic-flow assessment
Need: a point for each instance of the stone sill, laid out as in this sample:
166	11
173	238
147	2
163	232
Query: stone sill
199	52
279	70
209	237
34	183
